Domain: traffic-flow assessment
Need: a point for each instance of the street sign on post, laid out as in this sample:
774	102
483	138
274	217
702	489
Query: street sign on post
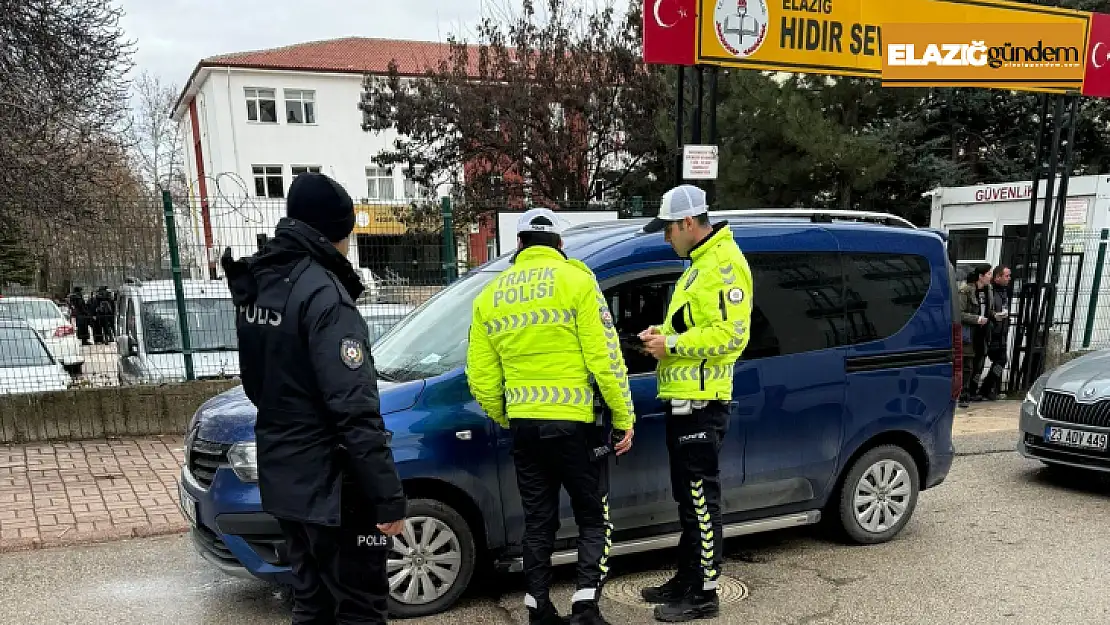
699	162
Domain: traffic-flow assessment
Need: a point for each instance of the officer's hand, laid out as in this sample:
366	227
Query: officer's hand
656	345
652	331
392	529
625	443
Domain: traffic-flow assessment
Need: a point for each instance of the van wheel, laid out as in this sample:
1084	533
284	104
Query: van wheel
878	495
432	561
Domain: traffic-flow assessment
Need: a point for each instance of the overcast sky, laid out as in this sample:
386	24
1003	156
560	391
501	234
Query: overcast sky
173	35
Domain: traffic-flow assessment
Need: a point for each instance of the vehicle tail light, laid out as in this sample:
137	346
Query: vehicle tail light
66	330
957	360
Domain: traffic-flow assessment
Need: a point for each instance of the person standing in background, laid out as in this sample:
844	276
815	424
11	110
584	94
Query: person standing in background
997	332
975	309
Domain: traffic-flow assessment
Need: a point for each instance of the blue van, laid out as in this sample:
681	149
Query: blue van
842	410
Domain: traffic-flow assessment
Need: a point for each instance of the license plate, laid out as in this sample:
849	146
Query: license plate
188	506
1075	438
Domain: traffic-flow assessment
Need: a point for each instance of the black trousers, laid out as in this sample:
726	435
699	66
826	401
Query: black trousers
339	572
550	455
998	358
694	445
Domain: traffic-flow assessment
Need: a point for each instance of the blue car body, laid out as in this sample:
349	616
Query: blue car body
830	373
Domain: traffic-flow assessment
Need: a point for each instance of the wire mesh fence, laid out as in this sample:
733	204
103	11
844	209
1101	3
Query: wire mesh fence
92	301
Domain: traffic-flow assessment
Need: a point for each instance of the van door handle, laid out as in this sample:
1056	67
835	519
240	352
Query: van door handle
464	435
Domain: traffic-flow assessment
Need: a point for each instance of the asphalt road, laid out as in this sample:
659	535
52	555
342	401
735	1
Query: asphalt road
1003	541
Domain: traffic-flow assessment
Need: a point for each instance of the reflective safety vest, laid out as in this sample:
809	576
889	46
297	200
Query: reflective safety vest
539	333
708	321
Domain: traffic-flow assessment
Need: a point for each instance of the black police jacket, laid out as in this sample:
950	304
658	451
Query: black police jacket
305	363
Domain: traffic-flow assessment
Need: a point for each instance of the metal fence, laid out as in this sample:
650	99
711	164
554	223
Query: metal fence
93	301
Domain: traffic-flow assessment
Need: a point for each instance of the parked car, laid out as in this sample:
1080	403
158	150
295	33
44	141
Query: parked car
26	363
381	317
842	410
49	321
1065	418
149	334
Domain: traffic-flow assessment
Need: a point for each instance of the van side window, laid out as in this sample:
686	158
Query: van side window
883	291
637	304
798	305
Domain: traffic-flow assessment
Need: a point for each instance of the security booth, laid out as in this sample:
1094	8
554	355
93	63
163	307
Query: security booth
989	224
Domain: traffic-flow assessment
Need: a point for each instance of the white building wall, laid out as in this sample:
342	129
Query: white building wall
232	145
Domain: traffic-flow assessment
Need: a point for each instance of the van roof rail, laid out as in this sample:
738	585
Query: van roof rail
820	215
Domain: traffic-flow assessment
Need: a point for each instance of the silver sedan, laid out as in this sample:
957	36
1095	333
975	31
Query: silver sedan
1065	418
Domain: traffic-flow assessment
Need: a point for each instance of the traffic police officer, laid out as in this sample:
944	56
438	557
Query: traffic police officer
705	331
540	331
325	469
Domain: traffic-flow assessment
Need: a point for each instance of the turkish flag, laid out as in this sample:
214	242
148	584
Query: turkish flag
670	31
1096	74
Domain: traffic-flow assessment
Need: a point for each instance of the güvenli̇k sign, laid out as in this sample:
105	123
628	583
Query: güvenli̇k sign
1045	57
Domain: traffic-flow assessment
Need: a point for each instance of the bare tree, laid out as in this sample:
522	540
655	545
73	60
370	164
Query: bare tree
156	138
553	108
63	109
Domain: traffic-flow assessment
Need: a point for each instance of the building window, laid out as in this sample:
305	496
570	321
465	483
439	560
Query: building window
971	243
300	106
413	190
261	105
268	181
379	183
304	169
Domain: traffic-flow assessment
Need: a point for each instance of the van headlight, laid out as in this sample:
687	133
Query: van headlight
244	461
1033	397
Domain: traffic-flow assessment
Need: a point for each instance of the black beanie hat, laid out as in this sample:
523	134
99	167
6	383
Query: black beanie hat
321	203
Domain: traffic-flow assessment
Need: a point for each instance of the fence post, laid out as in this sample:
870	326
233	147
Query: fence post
1093	306
179	289
450	266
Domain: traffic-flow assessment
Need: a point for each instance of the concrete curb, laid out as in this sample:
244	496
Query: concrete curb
91	538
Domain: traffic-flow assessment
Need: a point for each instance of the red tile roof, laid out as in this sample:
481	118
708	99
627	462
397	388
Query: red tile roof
353	54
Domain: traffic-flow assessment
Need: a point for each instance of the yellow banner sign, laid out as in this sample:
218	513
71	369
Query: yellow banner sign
382	219
1029	57
843	37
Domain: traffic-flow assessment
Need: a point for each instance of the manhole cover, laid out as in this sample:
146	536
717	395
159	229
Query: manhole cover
626	589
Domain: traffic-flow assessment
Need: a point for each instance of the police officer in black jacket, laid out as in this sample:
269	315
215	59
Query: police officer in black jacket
325	469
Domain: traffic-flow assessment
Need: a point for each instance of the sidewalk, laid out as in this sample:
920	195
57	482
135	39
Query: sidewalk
91	491
88	491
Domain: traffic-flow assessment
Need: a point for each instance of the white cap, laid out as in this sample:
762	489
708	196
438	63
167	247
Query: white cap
679	203
549	221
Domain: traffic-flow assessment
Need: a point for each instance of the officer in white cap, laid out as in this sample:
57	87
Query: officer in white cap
704	333
540	333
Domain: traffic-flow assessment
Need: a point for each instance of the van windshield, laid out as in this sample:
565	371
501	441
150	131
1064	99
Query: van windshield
211	325
433	339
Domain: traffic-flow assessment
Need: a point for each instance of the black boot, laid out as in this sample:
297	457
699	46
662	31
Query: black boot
547	615
586	613
696	604
672	591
